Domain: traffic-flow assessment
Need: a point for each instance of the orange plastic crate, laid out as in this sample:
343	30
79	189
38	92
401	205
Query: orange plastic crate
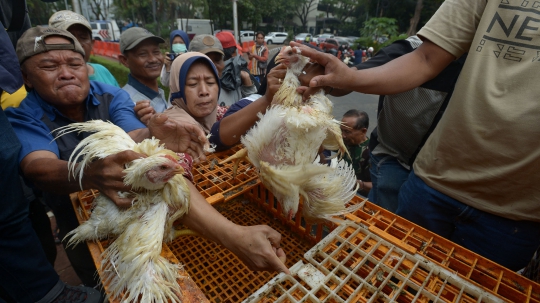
220	274
216	183
354	264
223	278
477	269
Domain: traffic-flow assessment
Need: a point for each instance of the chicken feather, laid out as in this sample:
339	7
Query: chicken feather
284	144
132	267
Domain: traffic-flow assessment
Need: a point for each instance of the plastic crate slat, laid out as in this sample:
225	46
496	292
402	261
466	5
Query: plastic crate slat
216	183
379	277
403	276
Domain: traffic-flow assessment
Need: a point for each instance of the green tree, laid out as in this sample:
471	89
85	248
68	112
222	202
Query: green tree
40	11
96	6
379	27
302	11
404	10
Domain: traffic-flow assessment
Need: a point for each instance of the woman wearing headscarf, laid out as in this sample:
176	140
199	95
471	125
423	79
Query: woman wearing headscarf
179	41
195	88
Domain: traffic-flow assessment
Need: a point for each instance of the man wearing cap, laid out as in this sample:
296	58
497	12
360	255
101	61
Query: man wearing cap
141	54
79	27
211	46
55	74
230	47
25	273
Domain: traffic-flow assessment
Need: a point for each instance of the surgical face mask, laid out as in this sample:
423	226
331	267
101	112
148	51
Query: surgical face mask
179	48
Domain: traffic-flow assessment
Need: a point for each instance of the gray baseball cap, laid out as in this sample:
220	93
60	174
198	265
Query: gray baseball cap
64	19
32	42
205	44
131	37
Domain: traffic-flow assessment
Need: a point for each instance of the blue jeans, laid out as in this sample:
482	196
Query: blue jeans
507	242
25	273
387	176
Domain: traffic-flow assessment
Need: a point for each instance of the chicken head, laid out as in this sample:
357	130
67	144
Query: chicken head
152	172
292	59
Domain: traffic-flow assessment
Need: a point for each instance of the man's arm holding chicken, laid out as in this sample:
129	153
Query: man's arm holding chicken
399	75
257	246
48	172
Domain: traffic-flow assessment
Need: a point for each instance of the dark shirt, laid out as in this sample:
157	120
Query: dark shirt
358	56
359	158
10	72
214	132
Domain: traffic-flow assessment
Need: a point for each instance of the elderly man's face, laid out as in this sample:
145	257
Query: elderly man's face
85	38
59	77
352	136
144	61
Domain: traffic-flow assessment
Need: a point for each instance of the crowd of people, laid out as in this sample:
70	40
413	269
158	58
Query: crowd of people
453	150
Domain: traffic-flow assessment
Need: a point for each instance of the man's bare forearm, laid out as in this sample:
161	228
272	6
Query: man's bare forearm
51	175
204	219
401	74
236	125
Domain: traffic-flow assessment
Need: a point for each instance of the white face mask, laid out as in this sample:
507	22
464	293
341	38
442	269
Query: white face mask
179	48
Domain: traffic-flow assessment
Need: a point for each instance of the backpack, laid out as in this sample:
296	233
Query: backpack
230	76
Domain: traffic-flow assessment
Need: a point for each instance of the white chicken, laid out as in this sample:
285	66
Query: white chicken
132	267
284	146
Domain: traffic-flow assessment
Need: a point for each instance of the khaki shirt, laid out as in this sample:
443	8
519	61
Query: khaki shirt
485	152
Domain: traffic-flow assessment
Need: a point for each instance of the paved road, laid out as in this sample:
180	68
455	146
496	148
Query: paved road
367	103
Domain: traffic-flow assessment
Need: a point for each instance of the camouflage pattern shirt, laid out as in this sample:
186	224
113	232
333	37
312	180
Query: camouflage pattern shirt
359	157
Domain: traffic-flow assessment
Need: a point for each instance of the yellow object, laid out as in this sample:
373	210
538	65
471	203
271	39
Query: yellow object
13	100
185	233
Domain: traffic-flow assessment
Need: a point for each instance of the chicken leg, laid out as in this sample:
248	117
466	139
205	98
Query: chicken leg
236	158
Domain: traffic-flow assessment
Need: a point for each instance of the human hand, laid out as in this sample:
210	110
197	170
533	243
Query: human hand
246	79
167	61
310	70
144	111
273	81
250	56
335	71
107	176
258	247
179	136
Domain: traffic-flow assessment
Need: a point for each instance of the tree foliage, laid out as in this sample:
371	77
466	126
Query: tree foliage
40	11
303	10
97	7
380	27
350	15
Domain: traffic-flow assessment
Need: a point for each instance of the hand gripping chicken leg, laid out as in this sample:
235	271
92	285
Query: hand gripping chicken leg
132	267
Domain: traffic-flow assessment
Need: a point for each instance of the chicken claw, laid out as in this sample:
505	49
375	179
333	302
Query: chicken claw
236	158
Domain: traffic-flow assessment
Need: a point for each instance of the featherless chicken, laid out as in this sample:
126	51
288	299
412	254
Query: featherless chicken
132	267
284	146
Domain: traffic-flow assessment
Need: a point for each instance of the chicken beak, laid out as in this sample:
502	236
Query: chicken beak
278	58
